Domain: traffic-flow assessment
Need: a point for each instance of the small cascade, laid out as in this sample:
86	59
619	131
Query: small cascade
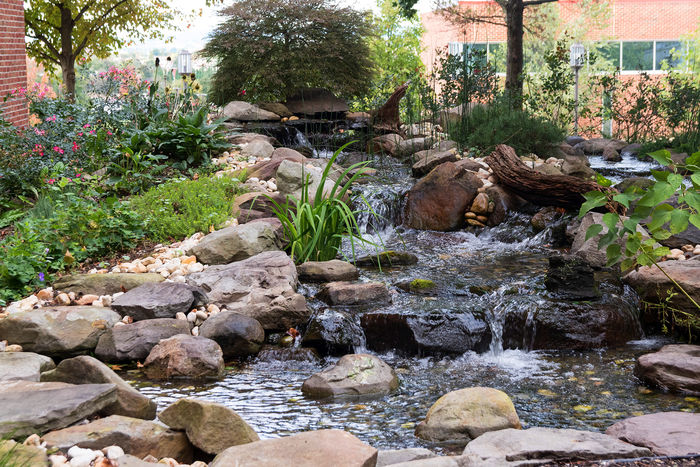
499	305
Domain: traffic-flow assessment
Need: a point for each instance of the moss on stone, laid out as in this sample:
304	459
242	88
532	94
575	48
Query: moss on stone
422	284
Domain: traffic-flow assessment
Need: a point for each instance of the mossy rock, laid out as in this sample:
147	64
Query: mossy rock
421	286
387	259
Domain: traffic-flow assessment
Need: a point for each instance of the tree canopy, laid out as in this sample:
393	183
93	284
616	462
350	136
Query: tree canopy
267	49
62	31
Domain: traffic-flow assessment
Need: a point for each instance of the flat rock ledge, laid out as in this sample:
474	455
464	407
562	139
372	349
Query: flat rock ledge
674	368
664	433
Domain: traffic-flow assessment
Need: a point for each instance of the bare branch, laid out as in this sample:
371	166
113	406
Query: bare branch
537	2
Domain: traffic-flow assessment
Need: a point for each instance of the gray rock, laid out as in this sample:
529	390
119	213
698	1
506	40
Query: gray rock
543	445
25	366
571	278
128	460
397	456
610	154
411	146
674	368
245	138
262	287
139	438
239	242
442	461
588	250
385	144
425	161
320	448
162	300
461	416
316	102
333	332
573	140
664	433
27	407
276	108
327	271
58	331
639	182
387	259
184	356
577	166
135	341
89	370
292	177
210	427
245	112
353	375
355	293
237	335
258	148
598	145
104	284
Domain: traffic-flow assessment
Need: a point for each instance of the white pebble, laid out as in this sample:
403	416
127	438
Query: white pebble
201	314
180	315
191	316
113	452
211	308
195	331
195	267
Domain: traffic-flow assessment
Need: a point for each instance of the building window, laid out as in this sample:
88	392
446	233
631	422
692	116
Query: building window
610	52
668	54
638	56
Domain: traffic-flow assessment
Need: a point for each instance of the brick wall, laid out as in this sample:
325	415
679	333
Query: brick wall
13	66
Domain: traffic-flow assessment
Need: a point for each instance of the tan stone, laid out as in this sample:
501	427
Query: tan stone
480	204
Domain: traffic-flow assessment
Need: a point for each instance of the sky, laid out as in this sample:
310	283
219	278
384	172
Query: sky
193	37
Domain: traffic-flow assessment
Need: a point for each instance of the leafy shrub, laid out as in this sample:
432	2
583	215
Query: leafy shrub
180	208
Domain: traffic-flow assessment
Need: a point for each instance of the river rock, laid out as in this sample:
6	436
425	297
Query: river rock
58	331
25	366
262	287
316	102
571	278
408	147
545	217
239	242
302	355
536	446
588	250
258	149
161	300
333	332
461	416
248	207
674	368
327	271
385	144
355	293
504	202
480	205
136	437
27	407
135	341
577	166
652	285
353	375
104	284
641	183
184	356
243	111
276	108
210	427
237	335
88	370
387	259
441	461
439	200
426	334
398	456
597	146
610	154
664	433
427	160
265	170
292	177
321	448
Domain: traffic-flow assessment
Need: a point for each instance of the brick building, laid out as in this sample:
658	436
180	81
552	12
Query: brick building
13	65
640	34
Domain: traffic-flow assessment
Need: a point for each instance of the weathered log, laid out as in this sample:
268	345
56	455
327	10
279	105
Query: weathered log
545	190
387	116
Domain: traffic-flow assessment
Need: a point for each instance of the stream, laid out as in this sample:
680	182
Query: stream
485	274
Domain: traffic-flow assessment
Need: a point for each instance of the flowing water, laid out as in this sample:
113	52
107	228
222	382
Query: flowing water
488	274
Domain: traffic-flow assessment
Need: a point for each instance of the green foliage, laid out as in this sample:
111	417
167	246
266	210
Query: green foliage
267	49
180	207
316	225
133	172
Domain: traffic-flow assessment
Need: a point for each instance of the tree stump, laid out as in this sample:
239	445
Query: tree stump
387	117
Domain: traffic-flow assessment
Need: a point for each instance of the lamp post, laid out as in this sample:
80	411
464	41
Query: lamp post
577	55
184	63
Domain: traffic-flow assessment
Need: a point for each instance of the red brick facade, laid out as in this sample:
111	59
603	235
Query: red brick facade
13	66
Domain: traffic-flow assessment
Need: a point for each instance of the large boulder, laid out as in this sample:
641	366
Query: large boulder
104	284
25	366
245	112
237	335
333	332
353	375
276	108
258	149
316	102
588	250
135	341
239	242
322	448
184	356
439	200
58	331
537	446
293	177
387	259
426	162
255	205
571	278
210	427
265	170
460	416
408	147
652	285
385	144
355	293
577	166
664	433
27	407
674	368
88	370
262	287
161	300
426	334
597	146
139	438
327	271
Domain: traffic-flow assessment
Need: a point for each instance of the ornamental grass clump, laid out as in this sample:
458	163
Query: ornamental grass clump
315	225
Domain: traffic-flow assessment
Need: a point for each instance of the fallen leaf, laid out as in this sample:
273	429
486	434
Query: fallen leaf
582	408
546	392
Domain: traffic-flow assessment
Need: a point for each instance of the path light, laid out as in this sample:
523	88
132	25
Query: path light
577	55
184	63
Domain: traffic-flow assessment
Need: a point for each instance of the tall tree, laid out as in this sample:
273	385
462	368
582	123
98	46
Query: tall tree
62	31
266	49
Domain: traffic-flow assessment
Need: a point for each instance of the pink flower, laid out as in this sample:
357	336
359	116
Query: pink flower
75	146
109	133
51	181
58	150
87	125
52	118
80	134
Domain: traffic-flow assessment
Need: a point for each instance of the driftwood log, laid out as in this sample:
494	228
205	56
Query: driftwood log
545	190
387	116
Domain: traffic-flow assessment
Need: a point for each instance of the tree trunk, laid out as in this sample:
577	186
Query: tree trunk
67	59
545	190
514	55
388	117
